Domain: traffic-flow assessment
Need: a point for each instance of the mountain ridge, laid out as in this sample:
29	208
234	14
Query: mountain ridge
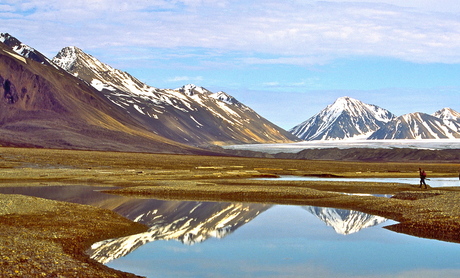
348	118
107	112
192	115
417	126
44	106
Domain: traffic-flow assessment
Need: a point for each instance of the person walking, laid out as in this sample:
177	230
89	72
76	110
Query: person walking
422	177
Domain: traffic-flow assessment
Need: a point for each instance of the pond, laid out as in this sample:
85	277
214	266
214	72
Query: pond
433	182
211	239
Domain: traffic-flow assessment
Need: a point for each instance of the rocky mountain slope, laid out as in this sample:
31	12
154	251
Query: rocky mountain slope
107	109
345	118
42	105
191	114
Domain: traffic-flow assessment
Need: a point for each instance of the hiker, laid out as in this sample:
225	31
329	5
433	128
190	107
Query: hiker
422	177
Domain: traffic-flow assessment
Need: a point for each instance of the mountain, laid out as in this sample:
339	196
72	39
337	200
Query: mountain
345	221
450	117
190	114
345	118
24	50
447	114
42	105
420	126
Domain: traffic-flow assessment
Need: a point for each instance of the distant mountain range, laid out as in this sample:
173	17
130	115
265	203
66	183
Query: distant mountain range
349	118
74	101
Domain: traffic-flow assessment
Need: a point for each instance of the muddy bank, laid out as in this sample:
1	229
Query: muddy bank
44	238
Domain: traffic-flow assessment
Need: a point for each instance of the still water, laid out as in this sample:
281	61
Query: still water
433	182
209	239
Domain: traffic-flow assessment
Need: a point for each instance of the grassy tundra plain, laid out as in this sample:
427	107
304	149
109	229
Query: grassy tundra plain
41	237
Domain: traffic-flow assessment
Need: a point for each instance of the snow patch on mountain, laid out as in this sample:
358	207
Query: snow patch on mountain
66	58
101	86
192	89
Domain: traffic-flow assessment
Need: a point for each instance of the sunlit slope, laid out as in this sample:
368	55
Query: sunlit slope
44	106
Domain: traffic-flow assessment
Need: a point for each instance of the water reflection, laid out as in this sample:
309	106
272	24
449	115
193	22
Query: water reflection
433	182
345	221
256	240
188	222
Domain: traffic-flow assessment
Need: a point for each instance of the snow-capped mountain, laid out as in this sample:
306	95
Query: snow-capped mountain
345	118
45	106
349	118
187	222
419	126
24	50
191	114
450	117
345	221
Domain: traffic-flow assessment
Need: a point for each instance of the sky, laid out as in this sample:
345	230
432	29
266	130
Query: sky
287	60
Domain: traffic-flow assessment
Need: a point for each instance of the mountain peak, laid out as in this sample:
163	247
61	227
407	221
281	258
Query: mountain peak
222	96
447	114
192	89
345	118
66	57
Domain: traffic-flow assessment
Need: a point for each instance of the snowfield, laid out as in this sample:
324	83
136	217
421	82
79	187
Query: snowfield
431	144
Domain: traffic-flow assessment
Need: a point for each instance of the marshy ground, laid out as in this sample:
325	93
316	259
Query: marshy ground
44	238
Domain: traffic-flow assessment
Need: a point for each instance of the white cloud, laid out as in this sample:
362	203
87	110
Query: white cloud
295	32
185	79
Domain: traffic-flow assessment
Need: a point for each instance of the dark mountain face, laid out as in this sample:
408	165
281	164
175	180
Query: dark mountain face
191	114
44	106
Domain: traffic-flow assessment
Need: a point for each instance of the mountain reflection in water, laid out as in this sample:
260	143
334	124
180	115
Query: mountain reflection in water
345	221
189	222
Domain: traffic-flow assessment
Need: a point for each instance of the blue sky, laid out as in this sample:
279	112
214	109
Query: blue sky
285	59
